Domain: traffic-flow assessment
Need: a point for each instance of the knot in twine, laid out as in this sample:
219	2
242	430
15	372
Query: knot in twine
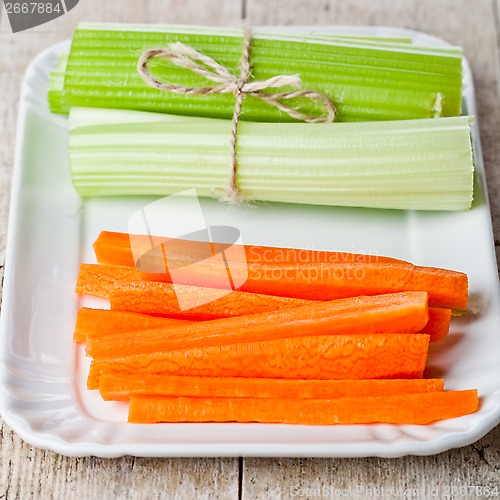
187	57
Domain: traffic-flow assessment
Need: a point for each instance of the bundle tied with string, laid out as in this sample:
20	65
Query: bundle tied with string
189	58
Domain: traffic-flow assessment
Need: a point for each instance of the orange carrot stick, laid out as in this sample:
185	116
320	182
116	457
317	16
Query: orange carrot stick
125	288
98	281
421	409
325	357
162	299
94	323
116	387
317	275
438	325
159	299
316	281
114	248
327	281
393	313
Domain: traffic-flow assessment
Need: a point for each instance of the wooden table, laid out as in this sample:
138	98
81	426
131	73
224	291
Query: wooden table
26	472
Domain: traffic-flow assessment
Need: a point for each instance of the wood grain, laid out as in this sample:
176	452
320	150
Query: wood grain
421	477
29	473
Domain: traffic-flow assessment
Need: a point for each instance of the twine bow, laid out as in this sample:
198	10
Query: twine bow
193	60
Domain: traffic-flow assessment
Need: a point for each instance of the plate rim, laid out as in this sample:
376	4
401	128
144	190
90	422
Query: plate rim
338	450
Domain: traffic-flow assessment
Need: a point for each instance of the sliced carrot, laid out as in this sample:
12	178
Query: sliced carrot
125	288
405	312
114	255
114	248
98	280
438	325
95	323
159	299
323	281
316	275
327	281
116	387
420	409
162	299
325	357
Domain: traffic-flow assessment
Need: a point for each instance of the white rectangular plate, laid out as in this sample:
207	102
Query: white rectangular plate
42	385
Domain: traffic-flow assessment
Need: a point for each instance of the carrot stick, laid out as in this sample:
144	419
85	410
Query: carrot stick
325	357
116	387
94	323
327	281
421	409
120	285
97	280
303	267
159	299
114	248
393	313
162	299
316	281
124	286
438	325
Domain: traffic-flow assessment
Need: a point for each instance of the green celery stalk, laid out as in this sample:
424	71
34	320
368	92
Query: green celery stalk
56	86
56	76
367	80
381	40
423	164
376	39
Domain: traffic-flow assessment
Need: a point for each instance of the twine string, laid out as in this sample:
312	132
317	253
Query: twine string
187	57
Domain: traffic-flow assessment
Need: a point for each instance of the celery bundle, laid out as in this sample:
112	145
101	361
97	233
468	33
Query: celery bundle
413	164
366	79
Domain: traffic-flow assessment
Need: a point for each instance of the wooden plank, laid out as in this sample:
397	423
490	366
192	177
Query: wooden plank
472	27
26	472
408	477
30	473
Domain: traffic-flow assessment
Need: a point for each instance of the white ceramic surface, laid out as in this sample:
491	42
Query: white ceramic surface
42	374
